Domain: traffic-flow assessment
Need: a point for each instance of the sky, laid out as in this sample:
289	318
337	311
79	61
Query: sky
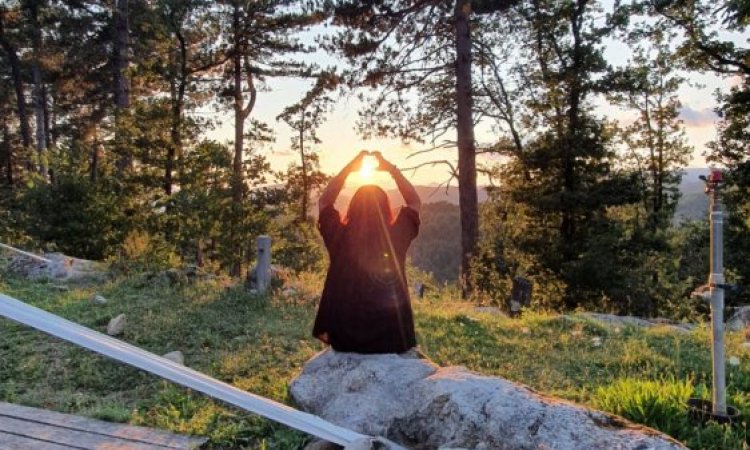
341	142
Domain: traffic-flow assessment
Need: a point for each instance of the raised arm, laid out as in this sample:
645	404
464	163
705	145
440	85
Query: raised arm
333	189
404	186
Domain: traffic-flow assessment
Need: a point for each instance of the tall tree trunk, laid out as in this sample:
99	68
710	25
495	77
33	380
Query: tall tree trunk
15	68
40	99
48	119
571	179
121	42
41	136
7	155
239	133
121	84
88	136
178	105
94	167
467	171
568	225
305	181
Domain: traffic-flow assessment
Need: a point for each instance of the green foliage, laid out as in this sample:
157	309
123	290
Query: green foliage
11	217
75	217
298	246
730	149
437	248
141	252
660	404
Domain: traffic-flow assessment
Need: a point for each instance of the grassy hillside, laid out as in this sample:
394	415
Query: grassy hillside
259	343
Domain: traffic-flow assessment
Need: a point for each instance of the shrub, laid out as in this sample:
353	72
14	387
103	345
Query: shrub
142	252
75	216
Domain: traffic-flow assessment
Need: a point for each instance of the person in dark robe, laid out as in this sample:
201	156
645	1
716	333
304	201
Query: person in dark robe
365	306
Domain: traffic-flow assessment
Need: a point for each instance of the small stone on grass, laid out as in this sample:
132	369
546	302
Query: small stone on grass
117	325
175	356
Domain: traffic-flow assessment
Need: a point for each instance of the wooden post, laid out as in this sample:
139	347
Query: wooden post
263	263
520	296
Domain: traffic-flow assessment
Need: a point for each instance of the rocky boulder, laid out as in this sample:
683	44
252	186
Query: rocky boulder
59	267
417	404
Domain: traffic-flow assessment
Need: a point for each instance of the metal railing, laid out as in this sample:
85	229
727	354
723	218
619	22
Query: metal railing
123	352
30	255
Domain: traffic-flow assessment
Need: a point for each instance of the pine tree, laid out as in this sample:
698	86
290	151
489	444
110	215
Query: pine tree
425	47
260	43
304	118
561	180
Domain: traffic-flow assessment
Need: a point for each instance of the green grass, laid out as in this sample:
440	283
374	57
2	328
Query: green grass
260	343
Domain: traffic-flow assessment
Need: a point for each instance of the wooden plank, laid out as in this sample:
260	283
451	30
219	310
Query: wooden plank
13	442
114	431
72	437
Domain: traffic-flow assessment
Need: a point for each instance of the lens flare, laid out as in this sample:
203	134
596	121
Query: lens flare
369	166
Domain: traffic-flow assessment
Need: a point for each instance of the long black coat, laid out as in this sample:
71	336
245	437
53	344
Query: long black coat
365	305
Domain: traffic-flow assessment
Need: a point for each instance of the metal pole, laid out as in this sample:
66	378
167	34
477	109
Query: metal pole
715	280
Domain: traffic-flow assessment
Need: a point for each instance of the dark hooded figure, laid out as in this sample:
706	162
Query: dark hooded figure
365	303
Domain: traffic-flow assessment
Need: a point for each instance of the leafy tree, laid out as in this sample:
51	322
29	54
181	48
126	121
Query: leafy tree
14	62
655	141
561	182
186	27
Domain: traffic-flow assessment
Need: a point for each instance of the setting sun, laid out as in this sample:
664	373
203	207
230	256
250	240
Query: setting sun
369	166
368	173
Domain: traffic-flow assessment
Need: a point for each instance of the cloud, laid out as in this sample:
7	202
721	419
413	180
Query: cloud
698	117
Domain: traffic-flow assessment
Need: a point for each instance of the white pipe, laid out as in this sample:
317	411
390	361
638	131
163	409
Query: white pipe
716	277
136	357
30	255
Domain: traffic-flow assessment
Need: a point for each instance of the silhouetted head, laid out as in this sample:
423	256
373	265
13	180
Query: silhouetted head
367	235
369	207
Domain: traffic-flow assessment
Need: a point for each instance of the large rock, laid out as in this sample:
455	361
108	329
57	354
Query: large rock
59	267
420	405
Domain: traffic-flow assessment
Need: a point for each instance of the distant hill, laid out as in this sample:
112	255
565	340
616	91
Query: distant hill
428	194
693	204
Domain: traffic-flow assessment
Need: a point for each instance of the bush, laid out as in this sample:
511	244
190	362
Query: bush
142	252
74	216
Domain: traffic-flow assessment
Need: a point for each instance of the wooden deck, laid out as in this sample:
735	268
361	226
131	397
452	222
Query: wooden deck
24	428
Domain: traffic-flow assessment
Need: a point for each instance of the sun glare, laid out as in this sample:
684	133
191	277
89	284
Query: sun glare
369	165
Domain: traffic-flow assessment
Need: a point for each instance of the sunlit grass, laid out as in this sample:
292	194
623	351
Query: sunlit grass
260	343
